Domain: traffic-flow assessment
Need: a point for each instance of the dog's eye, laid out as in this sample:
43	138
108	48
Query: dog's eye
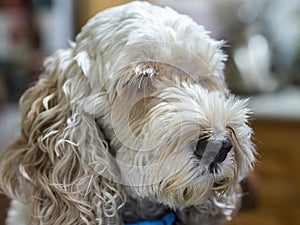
142	79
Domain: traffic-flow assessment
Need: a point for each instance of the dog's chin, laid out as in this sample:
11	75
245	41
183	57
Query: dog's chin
178	192
193	194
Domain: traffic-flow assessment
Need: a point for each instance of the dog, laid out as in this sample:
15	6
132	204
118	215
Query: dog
133	124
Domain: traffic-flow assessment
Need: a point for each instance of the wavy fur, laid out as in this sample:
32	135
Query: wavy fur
113	121
60	156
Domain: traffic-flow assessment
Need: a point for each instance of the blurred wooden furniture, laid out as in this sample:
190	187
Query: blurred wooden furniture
277	171
4	204
88	8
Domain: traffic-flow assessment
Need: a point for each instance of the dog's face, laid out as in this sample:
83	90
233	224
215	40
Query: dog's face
175	138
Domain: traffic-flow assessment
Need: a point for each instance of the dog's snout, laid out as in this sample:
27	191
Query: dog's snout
226	145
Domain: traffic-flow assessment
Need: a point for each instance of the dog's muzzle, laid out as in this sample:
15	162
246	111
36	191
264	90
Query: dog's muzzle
212	151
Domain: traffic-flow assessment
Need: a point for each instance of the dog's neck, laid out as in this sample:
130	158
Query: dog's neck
137	210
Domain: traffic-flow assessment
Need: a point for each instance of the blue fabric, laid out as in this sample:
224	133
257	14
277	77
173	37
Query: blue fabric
168	219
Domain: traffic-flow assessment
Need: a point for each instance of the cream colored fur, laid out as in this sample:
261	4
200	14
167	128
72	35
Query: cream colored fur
115	119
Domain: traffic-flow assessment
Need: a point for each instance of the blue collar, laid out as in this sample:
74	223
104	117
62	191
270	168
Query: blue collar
168	219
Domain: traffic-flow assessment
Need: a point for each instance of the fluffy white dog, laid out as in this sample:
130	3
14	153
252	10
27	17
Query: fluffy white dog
133	124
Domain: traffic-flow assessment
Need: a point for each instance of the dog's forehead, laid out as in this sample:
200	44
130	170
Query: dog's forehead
140	32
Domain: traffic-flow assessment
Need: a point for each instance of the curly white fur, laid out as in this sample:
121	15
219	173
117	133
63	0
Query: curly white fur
112	124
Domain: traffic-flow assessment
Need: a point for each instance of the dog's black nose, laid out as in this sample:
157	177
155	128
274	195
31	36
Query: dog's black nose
200	148
226	146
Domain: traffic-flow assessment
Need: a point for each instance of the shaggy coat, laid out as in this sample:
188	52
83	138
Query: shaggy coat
110	130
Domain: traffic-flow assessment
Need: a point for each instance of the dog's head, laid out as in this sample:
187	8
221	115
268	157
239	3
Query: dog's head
138	106
177	140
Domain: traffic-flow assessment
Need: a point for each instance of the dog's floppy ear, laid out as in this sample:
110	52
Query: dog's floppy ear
57	165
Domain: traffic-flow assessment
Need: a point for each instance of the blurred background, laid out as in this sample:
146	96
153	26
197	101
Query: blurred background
263	45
